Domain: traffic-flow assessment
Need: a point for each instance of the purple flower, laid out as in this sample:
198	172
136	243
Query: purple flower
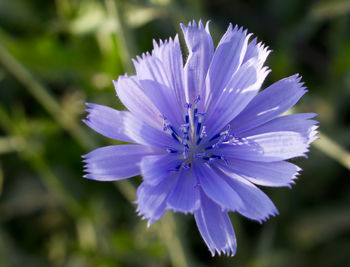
203	136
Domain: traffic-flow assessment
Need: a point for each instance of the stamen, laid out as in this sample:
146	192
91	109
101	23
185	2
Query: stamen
169	128
200	155
186	166
199	125
223	138
176	137
172	129
212	160
224	159
215	136
201	136
176	169
226	133
200	117
185	142
218	143
170	150
203	133
166	123
196	101
185	129
186	150
187	116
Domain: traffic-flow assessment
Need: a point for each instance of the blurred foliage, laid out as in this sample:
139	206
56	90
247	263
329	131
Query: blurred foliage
56	55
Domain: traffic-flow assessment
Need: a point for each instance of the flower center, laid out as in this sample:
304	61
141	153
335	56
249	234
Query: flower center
192	135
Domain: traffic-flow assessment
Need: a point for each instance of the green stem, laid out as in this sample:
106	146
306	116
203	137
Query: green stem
333	150
168	232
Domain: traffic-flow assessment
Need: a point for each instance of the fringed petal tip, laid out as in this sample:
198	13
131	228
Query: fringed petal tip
294	178
106	121
262	51
90	176
193	24
136	61
264	48
313	134
229	251
145	217
174	209
297	79
90	105
268	216
239	29
116	82
121	77
161	46
292	181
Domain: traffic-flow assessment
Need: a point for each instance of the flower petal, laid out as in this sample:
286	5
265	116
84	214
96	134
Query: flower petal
299	123
281	145
275	174
155	168
226	61
256	204
151	200
185	195
170	55
153	77
113	163
267	105
200	48
216	188
258	51
106	121
132	95
144	134
240	90
241	149
215	227
123	125
267	147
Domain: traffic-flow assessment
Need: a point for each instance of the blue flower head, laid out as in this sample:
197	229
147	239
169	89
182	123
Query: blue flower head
202	134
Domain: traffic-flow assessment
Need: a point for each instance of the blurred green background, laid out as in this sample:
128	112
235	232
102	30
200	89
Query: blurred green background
56	55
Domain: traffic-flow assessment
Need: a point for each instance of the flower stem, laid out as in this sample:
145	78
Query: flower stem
333	150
